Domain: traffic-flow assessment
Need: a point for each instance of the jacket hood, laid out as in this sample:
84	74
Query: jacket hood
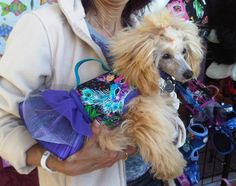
74	12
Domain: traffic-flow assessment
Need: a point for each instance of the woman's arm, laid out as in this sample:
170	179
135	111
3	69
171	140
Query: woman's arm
88	159
25	66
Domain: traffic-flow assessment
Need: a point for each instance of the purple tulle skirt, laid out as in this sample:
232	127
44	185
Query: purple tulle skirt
49	126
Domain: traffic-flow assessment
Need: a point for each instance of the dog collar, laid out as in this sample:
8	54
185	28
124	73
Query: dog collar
168	83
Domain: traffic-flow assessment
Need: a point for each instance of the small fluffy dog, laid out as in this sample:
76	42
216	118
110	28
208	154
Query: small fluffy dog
160	42
60	120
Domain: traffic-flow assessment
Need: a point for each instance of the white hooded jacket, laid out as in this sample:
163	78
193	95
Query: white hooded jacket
41	52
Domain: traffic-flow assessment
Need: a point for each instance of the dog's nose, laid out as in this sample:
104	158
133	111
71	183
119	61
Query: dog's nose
188	74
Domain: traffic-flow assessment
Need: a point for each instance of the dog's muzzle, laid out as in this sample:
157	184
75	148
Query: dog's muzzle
188	74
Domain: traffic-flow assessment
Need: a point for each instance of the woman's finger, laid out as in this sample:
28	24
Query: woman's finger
131	150
96	131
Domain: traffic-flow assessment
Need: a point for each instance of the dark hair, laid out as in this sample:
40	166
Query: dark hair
135	7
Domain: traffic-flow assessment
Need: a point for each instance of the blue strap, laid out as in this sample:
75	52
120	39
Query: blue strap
86	60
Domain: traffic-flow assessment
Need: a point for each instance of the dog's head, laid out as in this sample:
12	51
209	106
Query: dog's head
160	42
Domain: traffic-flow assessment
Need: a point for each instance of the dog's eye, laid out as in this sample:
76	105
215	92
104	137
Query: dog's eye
166	56
184	51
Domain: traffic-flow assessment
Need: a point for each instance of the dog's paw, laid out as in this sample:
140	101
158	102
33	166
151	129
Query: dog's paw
114	139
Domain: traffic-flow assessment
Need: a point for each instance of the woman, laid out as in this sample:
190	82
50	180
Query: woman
41	52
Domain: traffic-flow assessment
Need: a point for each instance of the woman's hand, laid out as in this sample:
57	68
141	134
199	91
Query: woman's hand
91	157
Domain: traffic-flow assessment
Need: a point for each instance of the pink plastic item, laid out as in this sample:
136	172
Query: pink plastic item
177	8
183	180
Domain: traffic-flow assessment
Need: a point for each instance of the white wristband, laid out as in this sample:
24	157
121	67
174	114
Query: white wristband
43	161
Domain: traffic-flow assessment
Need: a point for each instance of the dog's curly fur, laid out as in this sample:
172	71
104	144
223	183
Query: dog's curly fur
160	41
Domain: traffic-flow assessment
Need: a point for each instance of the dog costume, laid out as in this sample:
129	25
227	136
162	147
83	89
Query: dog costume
60	120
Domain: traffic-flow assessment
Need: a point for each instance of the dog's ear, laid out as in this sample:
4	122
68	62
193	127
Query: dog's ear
132	53
194	46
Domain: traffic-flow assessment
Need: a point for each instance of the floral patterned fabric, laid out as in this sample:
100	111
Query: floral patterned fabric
196	10
11	11
105	97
